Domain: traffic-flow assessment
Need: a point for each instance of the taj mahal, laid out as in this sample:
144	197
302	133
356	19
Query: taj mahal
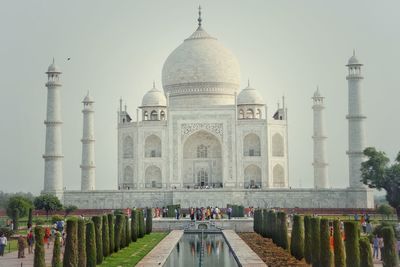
201	140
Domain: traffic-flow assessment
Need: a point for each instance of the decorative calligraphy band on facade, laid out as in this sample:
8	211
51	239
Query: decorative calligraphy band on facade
188	128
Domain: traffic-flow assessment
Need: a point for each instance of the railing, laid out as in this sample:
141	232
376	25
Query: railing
202	186
153	185
250	185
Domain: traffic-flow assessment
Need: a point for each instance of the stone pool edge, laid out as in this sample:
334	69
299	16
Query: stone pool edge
244	255
160	253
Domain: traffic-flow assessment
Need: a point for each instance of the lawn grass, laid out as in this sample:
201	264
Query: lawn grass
12	245
131	255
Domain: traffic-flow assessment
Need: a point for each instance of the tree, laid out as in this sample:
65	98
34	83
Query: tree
17	206
68	209
149	221
307	239
128	236
141	224
325	252
274	227
297	238
352	245
339	257
385	209
99	242
71	244
377	172
106	236
134	225
82	243
118	231
38	260
123	232
315	237
90	245
48	203
365	253
29	224
283	231
56	260
111	232
390	257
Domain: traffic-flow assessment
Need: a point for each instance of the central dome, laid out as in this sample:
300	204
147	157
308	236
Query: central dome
203	67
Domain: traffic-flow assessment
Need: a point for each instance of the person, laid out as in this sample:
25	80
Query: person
381	245
364	227
47	234
3	244
229	213
21	247
375	246
356	217
31	240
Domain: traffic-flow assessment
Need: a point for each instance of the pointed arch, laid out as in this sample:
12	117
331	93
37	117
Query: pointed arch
251	145
241	114
278	149
127	147
252	177
152	146
128	175
153	177
154	115
278	174
250	114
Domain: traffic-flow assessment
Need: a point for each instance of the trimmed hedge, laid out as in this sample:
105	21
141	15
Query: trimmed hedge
149	220
283	231
269	219
339	256
56	260
365	253
134	225
38	260
118	231
90	245
29	224
389	255
297	238
141	224
82	243
171	210
315	239
307	239
110	218
274	227
71	244
99	241
237	210
352	245
105	236
257	221
128	236
123	233
325	252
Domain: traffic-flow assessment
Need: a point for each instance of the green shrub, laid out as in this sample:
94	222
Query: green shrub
105	236
82	243
56	260
141	224
255	221
389	255
29	224
149	221
365	253
6	231
264	214
118	231
128	236
274	227
339	257
352	245
171	210
110	218
283	231
40	221
71	244
123	233
325	252
307	239
297	238
38	260
99	241
56	218
237	210
90	245
315	239
134	225
269	229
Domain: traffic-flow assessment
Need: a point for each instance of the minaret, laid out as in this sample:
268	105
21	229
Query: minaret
88	168
320	165
356	122
53	167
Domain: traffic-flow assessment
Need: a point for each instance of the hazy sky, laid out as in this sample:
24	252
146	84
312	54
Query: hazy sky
117	49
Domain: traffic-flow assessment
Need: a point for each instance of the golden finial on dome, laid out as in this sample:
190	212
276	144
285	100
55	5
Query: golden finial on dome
199	19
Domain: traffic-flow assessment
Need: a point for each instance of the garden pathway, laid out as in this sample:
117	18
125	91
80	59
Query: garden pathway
11	259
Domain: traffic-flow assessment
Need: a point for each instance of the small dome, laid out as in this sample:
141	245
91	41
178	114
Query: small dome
154	98
249	96
53	68
353	60
88	99
317	93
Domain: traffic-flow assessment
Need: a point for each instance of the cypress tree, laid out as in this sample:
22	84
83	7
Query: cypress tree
123	233
90	245
256	224
118	231
141	224
325	252
128	235
283	231
352	245
390	257
38	260
29	224
134	225
71	244
110	218
56	260
82	243
269	230
307	239
274	227
106	236
149	221
315	239
297	238
338	245
365	253
99	242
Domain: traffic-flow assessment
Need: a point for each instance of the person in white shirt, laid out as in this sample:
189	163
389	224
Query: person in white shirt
3	244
